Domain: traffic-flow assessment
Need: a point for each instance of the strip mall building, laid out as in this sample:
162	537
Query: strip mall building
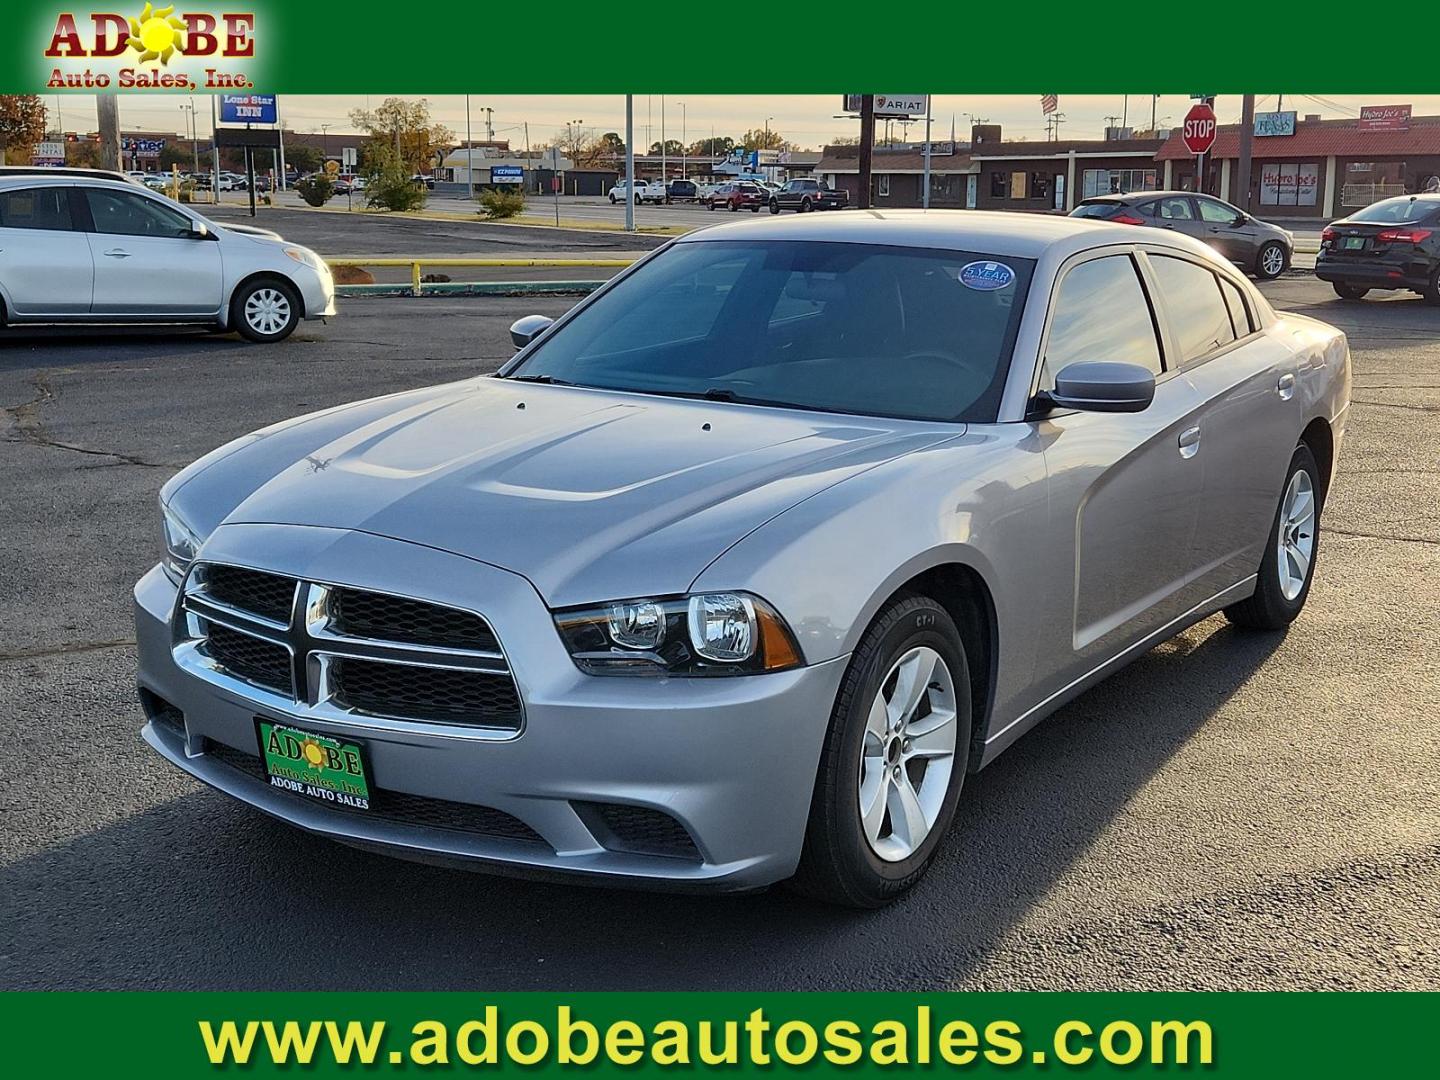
1323	170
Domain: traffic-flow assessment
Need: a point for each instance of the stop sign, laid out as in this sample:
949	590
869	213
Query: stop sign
1199	129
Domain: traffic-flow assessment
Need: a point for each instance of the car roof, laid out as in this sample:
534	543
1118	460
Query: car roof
57	171
1128	196
992	232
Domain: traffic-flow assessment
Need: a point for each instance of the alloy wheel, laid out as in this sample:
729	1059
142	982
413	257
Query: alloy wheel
908	754
1272	260
267	311
1295	542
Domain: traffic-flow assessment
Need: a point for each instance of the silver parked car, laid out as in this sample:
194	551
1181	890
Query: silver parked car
1264	249
77	249
735	572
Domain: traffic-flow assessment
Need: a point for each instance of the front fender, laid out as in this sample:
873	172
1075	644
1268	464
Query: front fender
830	563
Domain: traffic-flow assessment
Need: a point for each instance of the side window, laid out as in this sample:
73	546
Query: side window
1101	313
1149	209
1195	305
1175	210
36	208
1239	310
1217	213
123	214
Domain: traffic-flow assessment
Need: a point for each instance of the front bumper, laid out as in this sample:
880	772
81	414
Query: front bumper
317	288
733	760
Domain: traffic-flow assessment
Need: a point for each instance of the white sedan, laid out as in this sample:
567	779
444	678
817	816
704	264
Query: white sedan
76	249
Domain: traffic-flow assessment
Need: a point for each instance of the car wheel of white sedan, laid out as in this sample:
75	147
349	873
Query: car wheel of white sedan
893	762
265	311
1288	564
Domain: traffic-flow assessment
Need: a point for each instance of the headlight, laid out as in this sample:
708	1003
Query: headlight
181	544
706	634
304	255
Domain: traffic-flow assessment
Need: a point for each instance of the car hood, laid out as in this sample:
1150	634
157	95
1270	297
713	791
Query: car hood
591	495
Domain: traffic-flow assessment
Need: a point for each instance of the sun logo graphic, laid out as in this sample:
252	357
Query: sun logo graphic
313	754
157	34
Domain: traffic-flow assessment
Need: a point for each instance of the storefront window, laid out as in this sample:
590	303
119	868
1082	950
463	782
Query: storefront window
1116	181
1289	183
999	185
1370	181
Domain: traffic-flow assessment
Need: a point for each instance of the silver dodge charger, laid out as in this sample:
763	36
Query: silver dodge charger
736	571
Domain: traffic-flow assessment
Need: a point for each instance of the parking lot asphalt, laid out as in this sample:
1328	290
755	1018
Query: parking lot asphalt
1231	811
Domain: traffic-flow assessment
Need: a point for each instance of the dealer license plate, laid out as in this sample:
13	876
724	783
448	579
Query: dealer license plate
1354	243
316	766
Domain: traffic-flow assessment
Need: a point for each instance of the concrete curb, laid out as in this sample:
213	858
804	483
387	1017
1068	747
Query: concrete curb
474	288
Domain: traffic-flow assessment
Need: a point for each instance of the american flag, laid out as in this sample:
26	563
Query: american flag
1049	103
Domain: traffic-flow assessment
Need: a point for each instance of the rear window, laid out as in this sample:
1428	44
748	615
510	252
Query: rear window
35	208
1095	210
1401	211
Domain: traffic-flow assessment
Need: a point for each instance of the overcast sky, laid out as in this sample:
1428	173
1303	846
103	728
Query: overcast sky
809	121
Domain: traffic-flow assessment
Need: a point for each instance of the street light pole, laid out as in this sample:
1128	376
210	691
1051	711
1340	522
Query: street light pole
684	147
630	161
469	152
664	159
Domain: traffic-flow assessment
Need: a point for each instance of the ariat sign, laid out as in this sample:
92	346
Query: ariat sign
151	48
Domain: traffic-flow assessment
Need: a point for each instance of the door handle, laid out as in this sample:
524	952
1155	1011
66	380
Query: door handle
1286	387
1190	442
117	253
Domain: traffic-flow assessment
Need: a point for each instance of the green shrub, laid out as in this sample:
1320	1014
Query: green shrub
315	190
388	184
496	203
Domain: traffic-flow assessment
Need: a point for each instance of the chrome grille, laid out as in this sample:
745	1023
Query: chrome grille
357	613
339	652
253	659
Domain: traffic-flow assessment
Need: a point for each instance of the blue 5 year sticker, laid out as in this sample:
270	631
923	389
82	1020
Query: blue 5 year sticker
986	276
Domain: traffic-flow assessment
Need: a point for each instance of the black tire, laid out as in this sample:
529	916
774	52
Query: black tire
712	205
1268	608
1260	270
805	206
734	206
243	326
838	864
754	208
1346	291
613	200
1431	292
774	206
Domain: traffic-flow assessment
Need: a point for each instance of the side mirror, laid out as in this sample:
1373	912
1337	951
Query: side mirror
1103	386
200	231
1242	219
527	328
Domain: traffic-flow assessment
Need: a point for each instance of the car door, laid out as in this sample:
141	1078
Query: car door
1228	231
148	258
45	263
1124	487
1250	420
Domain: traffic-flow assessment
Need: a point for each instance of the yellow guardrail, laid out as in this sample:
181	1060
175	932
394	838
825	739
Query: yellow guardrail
440	260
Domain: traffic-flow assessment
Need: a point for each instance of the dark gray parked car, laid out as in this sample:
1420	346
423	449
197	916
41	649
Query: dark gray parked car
1261	248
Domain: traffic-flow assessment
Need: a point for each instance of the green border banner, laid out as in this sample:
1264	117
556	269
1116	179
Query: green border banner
1225	1035
581	46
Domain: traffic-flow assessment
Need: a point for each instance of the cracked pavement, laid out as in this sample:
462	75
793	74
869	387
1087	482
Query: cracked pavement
1231	811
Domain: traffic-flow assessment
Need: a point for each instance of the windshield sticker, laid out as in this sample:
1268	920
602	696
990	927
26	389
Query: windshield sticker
986	276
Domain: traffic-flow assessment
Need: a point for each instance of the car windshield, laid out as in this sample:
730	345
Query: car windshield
905	332
1399	211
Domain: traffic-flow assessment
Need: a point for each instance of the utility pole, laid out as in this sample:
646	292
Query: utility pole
107	114
1247	135
664	159
1110	121
1125	111
489	124
1058	118
1154	100
867	146
684	146
925	193
629	164
194	143
214	149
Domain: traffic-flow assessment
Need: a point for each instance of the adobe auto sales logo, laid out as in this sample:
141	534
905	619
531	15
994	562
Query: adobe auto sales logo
151	49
